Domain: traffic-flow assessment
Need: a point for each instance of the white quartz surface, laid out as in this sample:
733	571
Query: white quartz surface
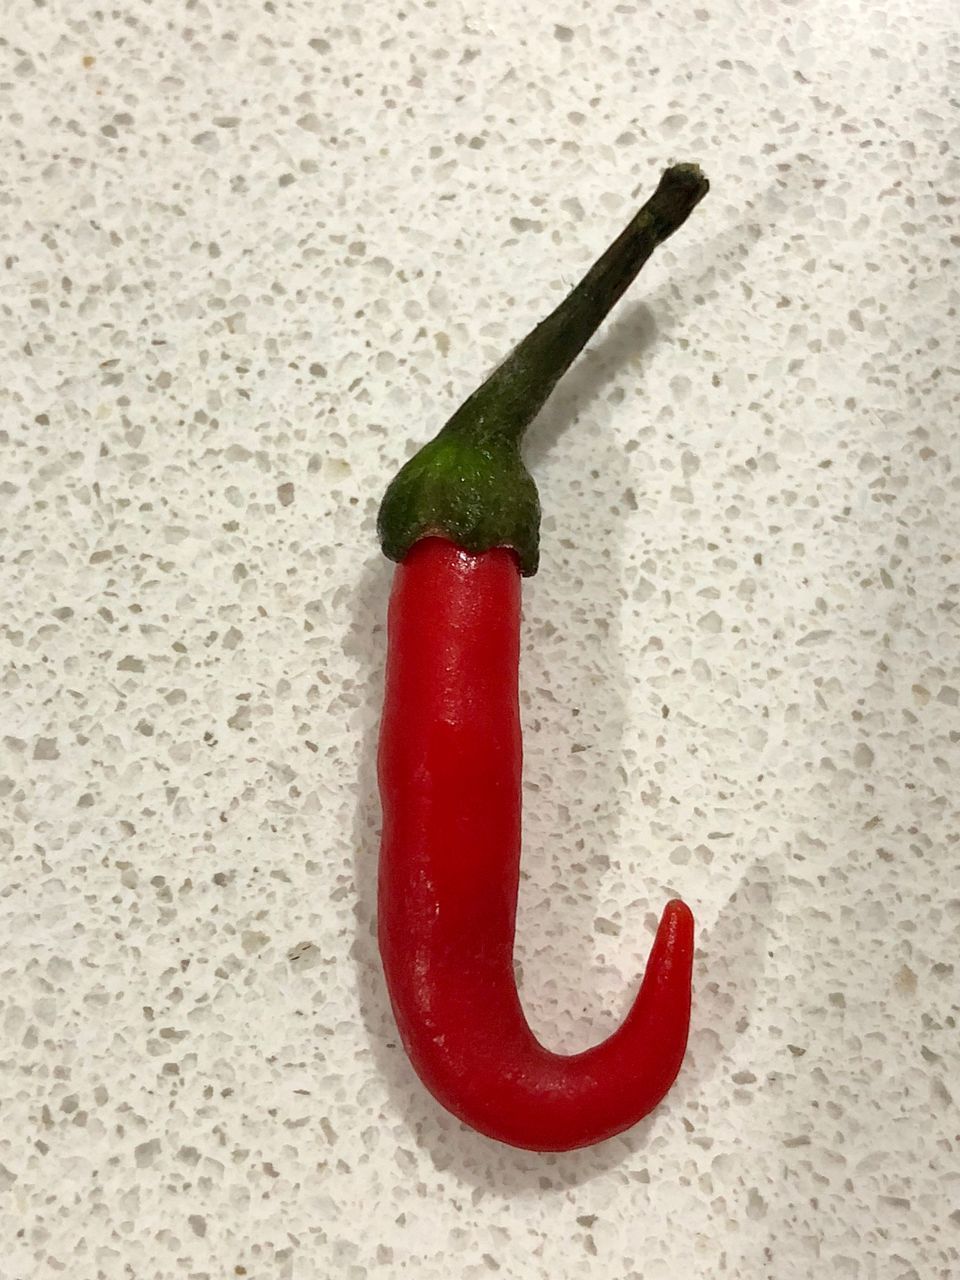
251	254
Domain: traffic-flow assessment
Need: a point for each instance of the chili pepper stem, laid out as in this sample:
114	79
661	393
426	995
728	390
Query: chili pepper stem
469	484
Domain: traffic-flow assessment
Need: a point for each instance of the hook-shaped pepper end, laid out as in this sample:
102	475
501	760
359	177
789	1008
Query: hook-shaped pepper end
543	1101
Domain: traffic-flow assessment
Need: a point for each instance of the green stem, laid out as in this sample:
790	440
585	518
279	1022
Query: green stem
516	391
468	483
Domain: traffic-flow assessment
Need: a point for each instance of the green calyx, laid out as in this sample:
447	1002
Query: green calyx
475	492
469	483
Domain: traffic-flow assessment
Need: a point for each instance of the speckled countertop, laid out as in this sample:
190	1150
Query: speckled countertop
252	254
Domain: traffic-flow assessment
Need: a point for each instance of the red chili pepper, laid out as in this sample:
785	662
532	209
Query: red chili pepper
462	519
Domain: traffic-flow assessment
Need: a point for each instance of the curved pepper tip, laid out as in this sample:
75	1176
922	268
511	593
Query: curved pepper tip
671	958
680	918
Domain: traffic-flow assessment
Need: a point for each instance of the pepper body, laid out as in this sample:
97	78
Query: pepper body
450	763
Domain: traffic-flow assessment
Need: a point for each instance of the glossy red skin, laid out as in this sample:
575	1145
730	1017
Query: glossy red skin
450	783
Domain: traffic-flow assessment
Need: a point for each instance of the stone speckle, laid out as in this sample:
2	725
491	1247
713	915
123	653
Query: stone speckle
253	255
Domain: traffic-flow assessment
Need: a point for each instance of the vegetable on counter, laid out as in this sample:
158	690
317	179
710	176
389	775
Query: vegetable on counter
462	519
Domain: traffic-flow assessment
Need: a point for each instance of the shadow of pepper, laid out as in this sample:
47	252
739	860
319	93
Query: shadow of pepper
474	1158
